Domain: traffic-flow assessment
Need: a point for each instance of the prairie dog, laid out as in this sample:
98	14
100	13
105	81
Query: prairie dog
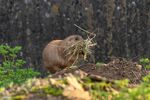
54	57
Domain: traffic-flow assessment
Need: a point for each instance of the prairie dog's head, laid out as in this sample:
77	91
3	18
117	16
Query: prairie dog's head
73	39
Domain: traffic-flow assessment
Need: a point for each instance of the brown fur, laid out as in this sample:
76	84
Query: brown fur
54	57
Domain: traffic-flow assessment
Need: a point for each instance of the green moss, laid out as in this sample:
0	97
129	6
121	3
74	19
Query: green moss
18	97
87	80
122	83
145	62
48	90
99	64
53	91
63	81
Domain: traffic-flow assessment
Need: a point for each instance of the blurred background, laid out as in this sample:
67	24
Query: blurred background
122	27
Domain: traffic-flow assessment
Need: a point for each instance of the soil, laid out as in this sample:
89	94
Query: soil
117	69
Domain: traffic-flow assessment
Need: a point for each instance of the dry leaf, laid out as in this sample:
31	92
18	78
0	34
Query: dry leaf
56	83
74	90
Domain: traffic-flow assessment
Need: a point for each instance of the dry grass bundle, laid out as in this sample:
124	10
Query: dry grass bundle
80	48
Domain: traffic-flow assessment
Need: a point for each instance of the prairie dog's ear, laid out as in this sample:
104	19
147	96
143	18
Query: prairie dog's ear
78	38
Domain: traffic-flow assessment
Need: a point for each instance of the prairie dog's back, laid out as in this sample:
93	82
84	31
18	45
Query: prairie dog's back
51	50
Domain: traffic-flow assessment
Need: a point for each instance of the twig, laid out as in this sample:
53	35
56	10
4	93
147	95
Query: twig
82	29
86	31
134	74
100	78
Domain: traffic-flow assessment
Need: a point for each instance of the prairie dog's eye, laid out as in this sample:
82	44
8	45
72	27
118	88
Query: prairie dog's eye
77	38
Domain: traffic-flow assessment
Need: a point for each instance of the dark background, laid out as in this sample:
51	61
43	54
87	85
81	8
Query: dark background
122	27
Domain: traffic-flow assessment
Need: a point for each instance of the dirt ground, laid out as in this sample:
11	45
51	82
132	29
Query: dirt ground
116	69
